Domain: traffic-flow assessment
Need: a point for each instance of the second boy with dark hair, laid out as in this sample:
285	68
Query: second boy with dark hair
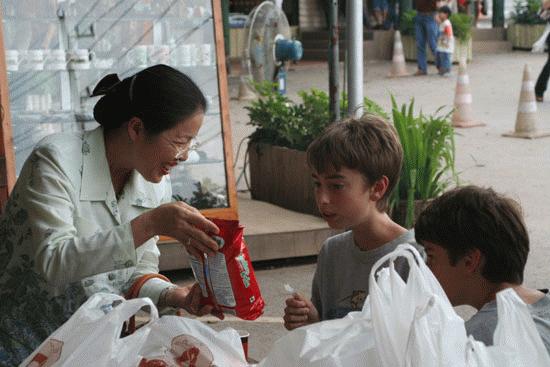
356	164
477	245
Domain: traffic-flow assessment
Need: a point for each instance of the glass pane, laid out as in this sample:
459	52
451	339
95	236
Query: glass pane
57	50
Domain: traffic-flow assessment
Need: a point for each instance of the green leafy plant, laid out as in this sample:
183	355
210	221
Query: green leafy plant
406	23
428	156
283	122
462	26
526	12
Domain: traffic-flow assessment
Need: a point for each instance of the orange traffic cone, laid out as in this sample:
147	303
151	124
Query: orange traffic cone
398	66
526	119
462	115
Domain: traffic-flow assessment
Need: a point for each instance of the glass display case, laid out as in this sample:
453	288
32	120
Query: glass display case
57	50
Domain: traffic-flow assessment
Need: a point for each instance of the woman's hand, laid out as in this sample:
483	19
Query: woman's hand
188	298
182	222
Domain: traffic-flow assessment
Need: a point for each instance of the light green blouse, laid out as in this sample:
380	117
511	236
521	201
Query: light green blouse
64	236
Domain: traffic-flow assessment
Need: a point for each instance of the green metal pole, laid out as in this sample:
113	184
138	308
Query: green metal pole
226	35
334	63
498	13
225	17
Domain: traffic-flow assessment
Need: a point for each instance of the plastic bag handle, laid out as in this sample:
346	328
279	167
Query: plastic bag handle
129	308
404	250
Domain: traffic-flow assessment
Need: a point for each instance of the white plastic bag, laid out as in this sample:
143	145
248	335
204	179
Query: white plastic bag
91	337
394	301
540	44
334	343
516	342
437	337
179	341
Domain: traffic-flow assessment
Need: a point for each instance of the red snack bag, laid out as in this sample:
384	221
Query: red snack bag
227	279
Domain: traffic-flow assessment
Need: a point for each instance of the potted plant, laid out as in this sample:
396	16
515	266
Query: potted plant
462	30
276	150
526	26
428	160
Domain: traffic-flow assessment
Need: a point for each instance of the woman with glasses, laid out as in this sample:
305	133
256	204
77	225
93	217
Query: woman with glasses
87	210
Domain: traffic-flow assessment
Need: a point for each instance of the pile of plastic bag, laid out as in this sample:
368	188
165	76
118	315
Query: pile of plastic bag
403	324
411	324
91	337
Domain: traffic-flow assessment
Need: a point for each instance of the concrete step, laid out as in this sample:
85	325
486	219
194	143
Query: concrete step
319	54
270	232
378	45
490	47
488	34
324	34
370	52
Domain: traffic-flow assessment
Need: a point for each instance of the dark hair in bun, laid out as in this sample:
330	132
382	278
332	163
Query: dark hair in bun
160	96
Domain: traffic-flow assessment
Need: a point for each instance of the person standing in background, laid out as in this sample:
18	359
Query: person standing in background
445	42
542	80
425	28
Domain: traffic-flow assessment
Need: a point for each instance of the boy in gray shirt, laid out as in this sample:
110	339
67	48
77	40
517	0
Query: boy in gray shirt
356	164
477	245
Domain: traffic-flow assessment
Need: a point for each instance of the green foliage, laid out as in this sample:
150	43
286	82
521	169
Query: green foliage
428	155
406	23
280	121
427	141
526	12
462	26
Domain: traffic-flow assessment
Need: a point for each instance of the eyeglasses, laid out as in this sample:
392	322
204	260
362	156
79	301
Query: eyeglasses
181	149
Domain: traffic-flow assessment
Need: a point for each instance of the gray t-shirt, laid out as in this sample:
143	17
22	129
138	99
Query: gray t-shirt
483	324
341	281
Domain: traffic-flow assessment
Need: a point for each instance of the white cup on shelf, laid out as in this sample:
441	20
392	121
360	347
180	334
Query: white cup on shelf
12	60
159	54
36	59
205	54
57	60
188	55
137	56
79	59
189	12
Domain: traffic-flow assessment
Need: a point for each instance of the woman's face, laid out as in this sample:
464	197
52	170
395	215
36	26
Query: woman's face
158	154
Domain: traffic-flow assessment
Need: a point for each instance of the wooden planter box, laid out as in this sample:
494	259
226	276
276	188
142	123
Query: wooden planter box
461	49
522	36
282	177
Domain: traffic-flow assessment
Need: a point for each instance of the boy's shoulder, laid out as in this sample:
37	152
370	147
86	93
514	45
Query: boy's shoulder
338	241
344	241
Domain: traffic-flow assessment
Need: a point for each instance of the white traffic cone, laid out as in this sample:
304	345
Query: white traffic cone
398	66
463	115
526	119
245	91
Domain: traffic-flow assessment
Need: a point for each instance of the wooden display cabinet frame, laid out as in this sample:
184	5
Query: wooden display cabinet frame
7	154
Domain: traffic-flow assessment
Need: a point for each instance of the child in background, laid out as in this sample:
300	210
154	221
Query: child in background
355	166
445	42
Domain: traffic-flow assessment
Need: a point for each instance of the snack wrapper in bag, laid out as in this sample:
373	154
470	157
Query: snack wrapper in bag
227	279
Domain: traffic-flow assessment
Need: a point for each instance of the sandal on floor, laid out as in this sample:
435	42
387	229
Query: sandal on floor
539	98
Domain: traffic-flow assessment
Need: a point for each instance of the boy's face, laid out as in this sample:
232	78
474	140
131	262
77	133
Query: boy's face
342	197
442	16
451	277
